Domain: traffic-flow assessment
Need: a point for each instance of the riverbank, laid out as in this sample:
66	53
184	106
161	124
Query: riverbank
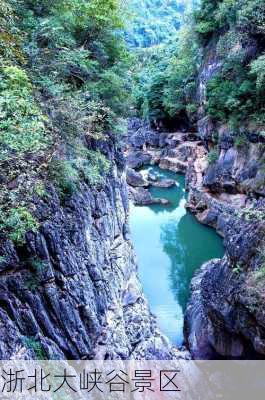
211	329
170	245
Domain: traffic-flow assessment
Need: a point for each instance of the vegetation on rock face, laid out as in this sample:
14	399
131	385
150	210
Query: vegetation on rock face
67	80
64	85
17	222
35	345
235	94
213	156
21	121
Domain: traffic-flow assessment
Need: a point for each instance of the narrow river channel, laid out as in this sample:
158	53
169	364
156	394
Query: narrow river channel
170	245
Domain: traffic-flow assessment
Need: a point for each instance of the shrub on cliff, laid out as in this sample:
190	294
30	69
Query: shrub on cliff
258	70
213	156
17	222
21	121
84	165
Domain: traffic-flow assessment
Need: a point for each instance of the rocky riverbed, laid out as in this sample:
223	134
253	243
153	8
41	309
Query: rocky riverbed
72	291
225	314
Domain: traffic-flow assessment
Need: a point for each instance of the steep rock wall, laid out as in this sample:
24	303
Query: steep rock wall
225	315
72	290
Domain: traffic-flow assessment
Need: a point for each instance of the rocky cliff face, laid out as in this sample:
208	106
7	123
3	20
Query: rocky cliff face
225	316
72	290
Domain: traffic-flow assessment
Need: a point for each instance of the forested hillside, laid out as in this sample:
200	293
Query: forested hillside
72	72
235	95
153	22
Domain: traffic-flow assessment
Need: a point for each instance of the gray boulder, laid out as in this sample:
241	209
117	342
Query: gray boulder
142	197
135	179
164	183
138	159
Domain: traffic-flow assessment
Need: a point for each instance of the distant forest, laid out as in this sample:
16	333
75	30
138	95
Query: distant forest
154	21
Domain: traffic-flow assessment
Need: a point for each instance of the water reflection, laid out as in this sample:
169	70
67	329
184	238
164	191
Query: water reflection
170	245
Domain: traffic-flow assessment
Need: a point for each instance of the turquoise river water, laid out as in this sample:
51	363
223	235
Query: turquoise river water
170	245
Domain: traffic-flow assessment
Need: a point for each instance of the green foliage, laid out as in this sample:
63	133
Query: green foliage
65	176
153	21
77	74
40	190
221	97
85	165
191	108
250	214
165	87
205	20
237	269
38	265
241	140
260	274
2	259
76	48
166	84
179	91
231	99
17	222
64	83
214	15
251	15
258	69
10	37
236	94
213	156
32	283
92	165
33	344
111	88
21	121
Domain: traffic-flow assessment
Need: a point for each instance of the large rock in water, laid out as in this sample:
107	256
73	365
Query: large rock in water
135	179
164	183
142	197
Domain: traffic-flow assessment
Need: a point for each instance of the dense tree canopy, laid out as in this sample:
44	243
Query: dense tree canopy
167	79
153	21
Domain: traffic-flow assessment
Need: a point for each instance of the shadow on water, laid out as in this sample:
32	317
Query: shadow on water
170	245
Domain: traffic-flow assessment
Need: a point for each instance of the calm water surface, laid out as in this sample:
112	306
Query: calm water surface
170	245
